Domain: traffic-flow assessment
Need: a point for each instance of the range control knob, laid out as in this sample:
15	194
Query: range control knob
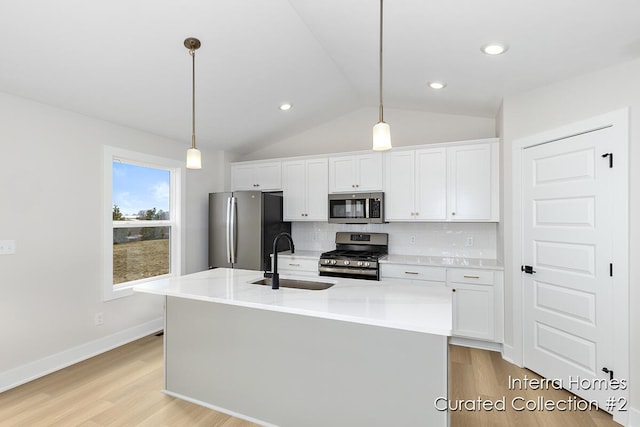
333	261
367	264
359	263
346	262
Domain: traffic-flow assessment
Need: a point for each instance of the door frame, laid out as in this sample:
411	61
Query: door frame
618	121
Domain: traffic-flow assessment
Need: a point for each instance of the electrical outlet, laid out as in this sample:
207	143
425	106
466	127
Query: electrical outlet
99	319
469	241
7	247
412	240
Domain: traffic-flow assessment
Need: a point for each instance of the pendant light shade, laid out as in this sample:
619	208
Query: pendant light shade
381	136
381	131
194	159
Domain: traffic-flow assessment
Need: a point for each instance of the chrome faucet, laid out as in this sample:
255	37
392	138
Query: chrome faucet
275	279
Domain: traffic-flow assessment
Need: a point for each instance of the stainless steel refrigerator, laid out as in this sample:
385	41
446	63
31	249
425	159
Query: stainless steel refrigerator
242	226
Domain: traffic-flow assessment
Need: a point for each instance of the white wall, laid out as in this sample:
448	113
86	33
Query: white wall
51	203
564	103
352	132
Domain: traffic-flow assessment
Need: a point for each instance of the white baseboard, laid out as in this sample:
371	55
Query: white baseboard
39	368
469	342
507	353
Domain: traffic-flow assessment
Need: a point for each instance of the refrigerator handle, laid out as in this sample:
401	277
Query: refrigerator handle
228	229
234	230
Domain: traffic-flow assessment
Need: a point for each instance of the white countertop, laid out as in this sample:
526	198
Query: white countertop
398	305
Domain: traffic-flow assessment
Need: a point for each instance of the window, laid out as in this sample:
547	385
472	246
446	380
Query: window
142	219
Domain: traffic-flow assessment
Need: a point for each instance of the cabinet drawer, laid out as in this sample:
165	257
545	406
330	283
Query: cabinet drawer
412	272
480	277
293	264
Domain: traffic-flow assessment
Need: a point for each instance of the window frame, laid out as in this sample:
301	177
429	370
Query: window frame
175	223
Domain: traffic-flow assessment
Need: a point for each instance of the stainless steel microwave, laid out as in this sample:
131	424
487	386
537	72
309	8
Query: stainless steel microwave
356	208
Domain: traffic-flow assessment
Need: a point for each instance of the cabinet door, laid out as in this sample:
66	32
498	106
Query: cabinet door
268	176
294	190
473	311
342	174
473	183
263	176
399	185
242	177
431	184
316	190
369	172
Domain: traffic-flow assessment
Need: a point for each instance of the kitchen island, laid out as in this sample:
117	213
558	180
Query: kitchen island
361	353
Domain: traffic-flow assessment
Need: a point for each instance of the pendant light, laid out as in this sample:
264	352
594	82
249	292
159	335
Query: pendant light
381	131
194	159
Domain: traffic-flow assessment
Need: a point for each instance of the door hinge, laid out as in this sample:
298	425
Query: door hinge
610	156
608	371
527	269
610	269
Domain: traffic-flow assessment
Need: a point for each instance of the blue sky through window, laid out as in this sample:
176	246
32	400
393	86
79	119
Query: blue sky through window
137	188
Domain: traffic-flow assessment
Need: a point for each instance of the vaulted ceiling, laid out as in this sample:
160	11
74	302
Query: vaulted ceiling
124	60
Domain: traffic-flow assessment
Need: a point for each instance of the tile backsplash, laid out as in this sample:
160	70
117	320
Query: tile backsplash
469	240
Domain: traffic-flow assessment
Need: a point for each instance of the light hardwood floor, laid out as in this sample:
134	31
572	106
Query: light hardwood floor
477	373
122	388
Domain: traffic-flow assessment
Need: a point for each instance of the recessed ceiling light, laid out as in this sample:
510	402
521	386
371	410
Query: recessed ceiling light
494	48
437	85
285	107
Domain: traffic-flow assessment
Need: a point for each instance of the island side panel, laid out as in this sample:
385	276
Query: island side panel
292	370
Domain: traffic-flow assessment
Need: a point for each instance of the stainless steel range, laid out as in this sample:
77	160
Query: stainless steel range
356	256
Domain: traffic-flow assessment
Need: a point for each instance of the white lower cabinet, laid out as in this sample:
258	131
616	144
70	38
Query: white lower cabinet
477	304
477	296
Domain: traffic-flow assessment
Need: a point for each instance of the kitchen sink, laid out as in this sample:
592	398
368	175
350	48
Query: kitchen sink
297	284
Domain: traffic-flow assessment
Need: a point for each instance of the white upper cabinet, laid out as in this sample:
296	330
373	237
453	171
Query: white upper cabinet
262	176
416	185
473	192
358	172
305	190
446	183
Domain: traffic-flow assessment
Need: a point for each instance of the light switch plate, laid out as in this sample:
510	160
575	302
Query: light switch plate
7	247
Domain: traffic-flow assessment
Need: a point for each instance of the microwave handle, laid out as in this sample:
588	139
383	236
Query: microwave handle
366	207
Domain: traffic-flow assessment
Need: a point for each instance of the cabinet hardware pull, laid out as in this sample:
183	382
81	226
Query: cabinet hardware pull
411	272
453	290
471	277
294	265
453	213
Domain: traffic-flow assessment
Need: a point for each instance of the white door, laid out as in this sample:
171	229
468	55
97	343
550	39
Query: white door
566	224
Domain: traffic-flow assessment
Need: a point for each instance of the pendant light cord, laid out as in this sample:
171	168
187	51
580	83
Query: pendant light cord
380	112
192	52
